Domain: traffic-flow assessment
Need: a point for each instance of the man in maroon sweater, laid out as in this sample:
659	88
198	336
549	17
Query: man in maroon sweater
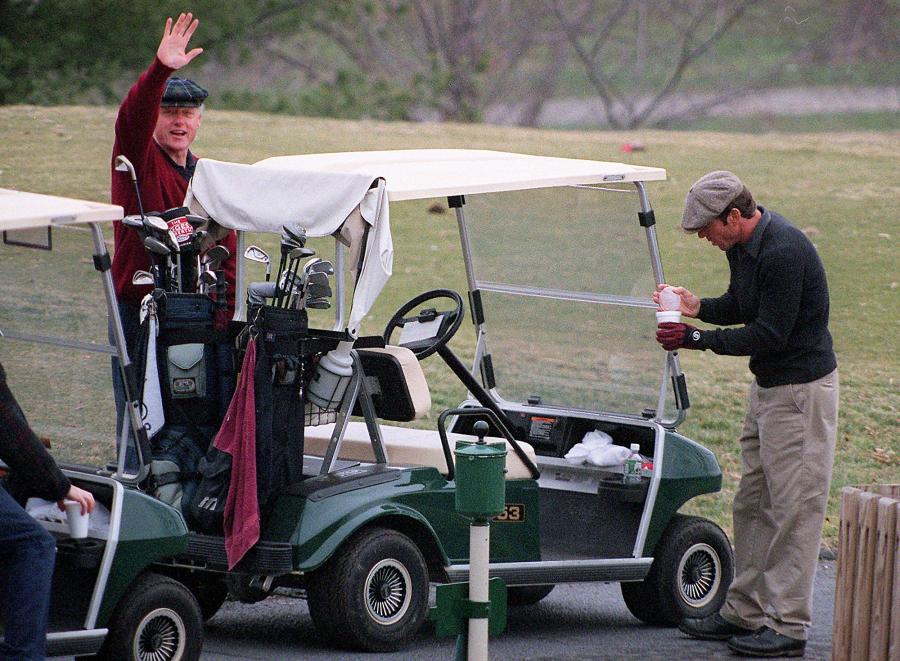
156	124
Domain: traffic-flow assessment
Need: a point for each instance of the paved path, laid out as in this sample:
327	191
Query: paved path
575	623
588	112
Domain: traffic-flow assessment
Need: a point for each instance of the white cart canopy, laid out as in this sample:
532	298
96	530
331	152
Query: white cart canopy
424	173
21	211
320	191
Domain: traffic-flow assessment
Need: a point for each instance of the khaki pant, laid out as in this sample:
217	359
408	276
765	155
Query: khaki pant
787	451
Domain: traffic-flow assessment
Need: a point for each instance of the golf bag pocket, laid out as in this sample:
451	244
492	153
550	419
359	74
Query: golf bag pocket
207	507
281	329
174	467
186	318
186	365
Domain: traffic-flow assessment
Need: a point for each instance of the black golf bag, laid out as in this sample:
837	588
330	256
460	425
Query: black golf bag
196	372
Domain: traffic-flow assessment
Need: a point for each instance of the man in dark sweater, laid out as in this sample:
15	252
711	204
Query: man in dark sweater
156	125
27	550
778	299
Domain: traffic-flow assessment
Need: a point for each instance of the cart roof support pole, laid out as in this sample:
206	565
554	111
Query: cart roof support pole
672	367
102	263
240	295
458	203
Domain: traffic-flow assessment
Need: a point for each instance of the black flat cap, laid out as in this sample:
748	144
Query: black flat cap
183	93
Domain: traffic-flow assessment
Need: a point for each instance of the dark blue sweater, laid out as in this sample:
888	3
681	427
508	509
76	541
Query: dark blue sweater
779	293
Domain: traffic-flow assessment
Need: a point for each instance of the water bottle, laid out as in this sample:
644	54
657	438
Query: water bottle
632	472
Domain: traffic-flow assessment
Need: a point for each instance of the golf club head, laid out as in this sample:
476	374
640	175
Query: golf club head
320	266
195	221
173	241
300	253
141	278
318	291
157	247
134	221
207	278
256	254
295	232
124	165
315	277
156	224
318	303
216	255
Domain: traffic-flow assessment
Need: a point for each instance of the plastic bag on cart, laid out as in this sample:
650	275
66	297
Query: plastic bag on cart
47	510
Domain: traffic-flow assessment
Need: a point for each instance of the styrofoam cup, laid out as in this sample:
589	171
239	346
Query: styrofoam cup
663	316
78	522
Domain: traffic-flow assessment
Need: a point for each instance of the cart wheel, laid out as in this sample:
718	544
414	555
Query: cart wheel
373	594
689	576
159	620
526	595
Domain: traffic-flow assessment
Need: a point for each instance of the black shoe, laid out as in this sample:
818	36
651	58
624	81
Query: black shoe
711	627
767	642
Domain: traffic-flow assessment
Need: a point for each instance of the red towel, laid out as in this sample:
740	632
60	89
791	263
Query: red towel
237	437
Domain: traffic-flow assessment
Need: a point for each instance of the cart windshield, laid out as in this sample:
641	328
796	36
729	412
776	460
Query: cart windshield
54	346
566	279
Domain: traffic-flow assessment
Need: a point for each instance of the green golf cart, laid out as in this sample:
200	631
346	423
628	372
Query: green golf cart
559	257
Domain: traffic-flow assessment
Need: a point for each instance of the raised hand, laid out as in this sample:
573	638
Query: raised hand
172	48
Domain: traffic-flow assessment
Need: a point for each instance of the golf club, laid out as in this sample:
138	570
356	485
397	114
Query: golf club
141	278
124	165
292	236
256	254
295	255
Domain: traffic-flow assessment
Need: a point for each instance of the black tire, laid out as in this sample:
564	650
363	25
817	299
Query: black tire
157	619
689	577
526	595
372	595
210	596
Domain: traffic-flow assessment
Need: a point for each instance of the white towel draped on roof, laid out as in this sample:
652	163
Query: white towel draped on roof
257	198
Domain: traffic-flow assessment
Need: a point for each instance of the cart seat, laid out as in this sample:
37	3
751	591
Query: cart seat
396	383
405	447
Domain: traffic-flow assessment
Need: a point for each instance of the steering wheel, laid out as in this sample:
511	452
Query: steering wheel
448	322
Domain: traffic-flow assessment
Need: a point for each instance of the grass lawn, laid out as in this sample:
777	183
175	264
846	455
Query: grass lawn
841	188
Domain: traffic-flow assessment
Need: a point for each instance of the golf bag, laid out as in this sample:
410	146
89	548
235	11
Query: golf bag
197	376
280	374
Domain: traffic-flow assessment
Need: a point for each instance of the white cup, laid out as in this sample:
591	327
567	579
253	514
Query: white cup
663	316
78	522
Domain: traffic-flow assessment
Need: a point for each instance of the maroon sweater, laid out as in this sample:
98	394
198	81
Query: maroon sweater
162	186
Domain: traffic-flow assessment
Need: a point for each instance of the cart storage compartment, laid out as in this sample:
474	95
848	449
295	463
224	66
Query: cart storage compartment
75	572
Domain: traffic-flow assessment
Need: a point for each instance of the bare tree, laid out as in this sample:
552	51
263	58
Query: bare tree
456	57
620	57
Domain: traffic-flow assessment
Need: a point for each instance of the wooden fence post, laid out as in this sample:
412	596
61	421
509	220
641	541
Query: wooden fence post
846	575
867	596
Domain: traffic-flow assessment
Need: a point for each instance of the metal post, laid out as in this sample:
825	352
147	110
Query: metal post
131	406
479	559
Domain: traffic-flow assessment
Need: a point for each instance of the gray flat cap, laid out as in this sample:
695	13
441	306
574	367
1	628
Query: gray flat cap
708	197
183	93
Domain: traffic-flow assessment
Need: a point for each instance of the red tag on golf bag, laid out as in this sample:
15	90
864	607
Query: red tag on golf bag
182	229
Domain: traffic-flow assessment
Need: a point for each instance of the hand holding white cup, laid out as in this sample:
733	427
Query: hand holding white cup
670	306
78	519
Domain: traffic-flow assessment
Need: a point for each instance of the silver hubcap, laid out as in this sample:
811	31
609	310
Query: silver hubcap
388	591
160	636
699	575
